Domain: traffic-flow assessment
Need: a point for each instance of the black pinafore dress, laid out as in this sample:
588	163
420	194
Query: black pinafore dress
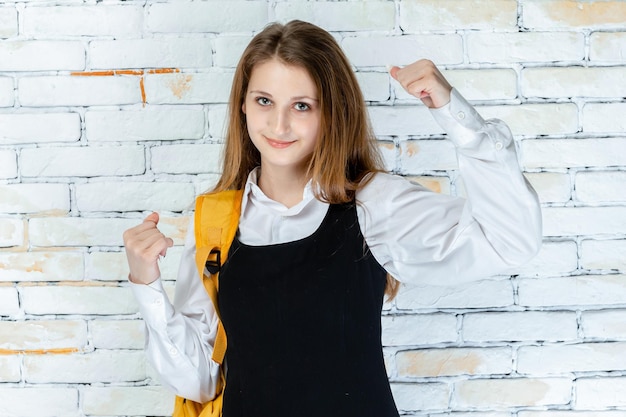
303	326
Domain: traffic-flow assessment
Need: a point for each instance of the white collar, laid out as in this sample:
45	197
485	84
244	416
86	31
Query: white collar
255	196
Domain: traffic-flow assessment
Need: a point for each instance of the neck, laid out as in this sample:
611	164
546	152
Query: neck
283	186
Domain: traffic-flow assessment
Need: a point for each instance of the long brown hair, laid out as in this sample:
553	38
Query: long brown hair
346	153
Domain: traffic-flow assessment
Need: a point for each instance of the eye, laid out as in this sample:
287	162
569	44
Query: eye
301	106
263	101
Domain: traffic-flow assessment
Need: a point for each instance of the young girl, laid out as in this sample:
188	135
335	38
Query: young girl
322	230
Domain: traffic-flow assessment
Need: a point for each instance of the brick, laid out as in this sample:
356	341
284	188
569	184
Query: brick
571	153
41	266
525	47
135	401
147	124
92	367
551	187
421	396
106	266
23	128
600	393
188	88
604	117
42	55
11	232
604	324
374	85
34	198
535	119
482	84
559	359
403	121
83	20
601	187
479	294
79	90
39	401
213	16
568	413
593	82
603	254
553	259
378	51
7	98
584	221
453	362
85	161
520	326
228	50
40	335
9	305
607	47
113	266
389	154
417	157
572	14
77	299
578	291
186	159
8	164
8	22
341	16
217	121
10	368
451	15
514	392
78	231
134	196
117	334
418	329
178	52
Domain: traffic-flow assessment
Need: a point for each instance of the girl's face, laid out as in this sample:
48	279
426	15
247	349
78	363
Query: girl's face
282	115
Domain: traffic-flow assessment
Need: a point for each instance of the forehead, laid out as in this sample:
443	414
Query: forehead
276	75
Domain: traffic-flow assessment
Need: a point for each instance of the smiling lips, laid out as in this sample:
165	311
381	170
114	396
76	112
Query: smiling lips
278	144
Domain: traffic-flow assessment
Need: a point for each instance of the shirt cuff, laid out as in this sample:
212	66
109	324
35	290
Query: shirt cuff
154	305
460	121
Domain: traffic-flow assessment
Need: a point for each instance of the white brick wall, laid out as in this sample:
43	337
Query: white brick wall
112	109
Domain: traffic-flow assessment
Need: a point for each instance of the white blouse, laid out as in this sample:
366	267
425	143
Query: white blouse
418	236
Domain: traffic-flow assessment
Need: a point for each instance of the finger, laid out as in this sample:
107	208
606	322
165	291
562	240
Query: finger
169	243
153	242
393	71
152	217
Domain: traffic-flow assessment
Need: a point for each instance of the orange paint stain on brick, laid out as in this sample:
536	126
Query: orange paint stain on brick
101	284
431	363
180	85
109	73
432	185
587	13
412	149
139	73
57	351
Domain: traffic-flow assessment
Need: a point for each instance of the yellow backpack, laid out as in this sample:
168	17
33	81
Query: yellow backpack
216	221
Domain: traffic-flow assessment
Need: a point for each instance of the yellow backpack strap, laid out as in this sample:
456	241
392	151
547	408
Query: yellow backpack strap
216	221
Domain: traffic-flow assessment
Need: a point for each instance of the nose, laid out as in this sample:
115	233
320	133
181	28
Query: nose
282	122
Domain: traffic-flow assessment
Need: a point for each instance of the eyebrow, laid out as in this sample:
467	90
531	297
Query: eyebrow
265	93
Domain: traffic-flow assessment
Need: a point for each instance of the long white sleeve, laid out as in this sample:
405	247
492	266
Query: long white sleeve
425	237
180	336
